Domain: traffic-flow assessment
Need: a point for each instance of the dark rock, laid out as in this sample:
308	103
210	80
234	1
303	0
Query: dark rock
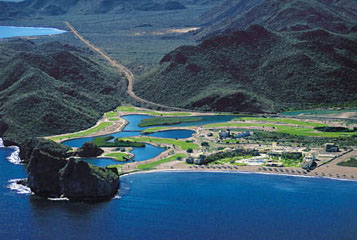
3	127
81	181
9	143
50	147
89	149
50	176
44	174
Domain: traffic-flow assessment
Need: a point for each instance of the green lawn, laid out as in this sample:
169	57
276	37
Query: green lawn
231	160
110	114
167	121
182	144
114	119
103	141
92	130
118	167
282	120
152	165
349	163
155	129
117	156
133	109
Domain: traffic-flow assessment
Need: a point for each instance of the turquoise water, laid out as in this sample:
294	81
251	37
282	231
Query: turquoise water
132	129
135	119
140	154
102	162
146	153
9	31
188	205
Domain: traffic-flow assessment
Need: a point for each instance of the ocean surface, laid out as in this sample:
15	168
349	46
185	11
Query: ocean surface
187	205
9	31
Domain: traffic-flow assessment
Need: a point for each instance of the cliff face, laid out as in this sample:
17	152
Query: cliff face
50	176
44	174
80	181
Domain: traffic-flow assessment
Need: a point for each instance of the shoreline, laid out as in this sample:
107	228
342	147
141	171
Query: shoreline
233	172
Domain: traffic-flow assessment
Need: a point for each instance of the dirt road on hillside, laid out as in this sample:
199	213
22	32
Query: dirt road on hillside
128	74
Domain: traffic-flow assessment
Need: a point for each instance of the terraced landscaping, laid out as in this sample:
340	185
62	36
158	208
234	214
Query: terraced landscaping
181	144
167	121
152	165
282	120
87	132
117	156
135	110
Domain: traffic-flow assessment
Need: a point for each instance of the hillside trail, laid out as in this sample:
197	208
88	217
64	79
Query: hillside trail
128	74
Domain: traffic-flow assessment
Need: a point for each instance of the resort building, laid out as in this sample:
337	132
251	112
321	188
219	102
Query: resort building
331	147
197	159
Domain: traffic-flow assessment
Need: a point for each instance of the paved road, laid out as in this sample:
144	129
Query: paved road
128	74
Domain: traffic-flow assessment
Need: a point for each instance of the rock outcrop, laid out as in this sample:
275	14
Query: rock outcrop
89	149
50	176
50	147
44	176
80	181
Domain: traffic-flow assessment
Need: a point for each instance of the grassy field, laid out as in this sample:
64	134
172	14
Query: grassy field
152	165
135	110
350	163
182	144
231	160
104	142
114	119
154	129
167	121
282	120
117	156
110	114
300	131
118	167
92	130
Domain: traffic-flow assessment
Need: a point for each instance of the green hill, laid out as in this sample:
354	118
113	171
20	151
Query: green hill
53	88
280	15
257	70
82	7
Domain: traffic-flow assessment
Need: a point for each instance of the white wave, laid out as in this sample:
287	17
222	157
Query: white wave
58	199
15	155
19	188
116	197
1	143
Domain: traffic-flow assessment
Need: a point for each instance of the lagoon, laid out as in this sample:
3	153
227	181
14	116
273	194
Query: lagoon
102	162
187	205
132	129
10	31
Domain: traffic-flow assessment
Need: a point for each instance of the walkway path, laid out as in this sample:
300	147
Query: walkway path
128	74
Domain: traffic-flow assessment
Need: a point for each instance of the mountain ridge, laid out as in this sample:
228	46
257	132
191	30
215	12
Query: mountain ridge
279	15
53	88
257	70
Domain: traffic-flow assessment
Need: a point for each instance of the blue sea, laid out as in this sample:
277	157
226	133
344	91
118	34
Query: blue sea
187	205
